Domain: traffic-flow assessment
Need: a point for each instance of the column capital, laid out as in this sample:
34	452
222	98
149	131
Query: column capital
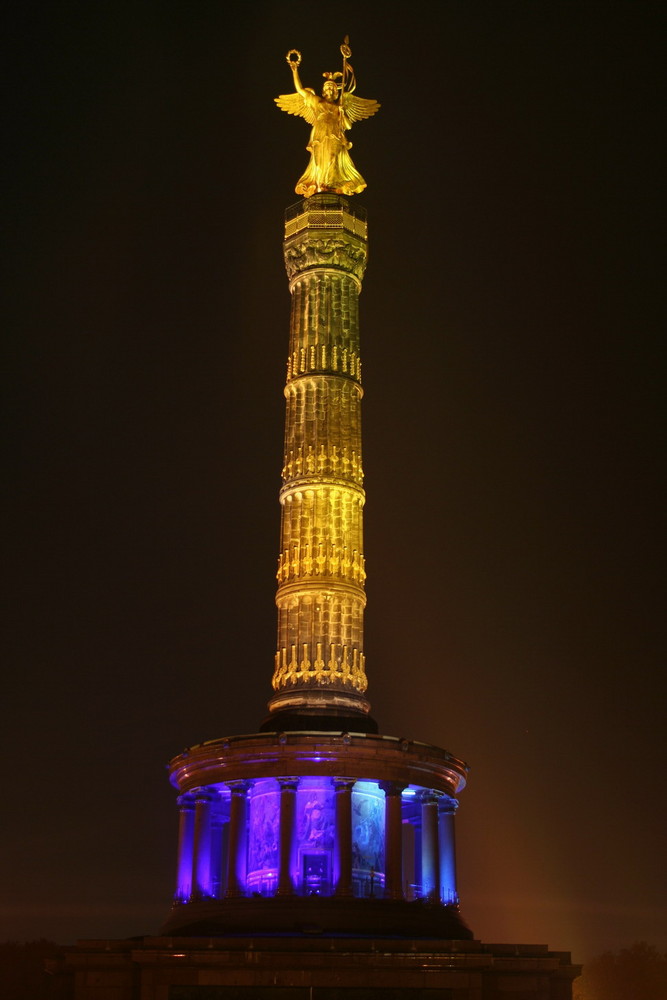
238	787
447	805
391	788
325	232
288	784
428	795
204	795
185	802
343	784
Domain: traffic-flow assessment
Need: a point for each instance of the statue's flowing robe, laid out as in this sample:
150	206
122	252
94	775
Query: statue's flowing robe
331	167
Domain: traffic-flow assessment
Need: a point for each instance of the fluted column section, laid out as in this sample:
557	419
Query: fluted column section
236	853
430	848
185	842
393	839
343	788
217	826
321	572
288	787
448	807
201	853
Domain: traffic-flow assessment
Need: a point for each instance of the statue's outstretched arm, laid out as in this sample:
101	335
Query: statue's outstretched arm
298	86
303	101
293	59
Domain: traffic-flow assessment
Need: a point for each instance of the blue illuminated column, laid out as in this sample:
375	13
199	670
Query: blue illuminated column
393	839
236	855
288	787
201	851
343	787
409	860
216	853
448	809
185	839
430	847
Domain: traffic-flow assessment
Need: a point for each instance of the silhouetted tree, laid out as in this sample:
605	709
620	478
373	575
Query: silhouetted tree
635	973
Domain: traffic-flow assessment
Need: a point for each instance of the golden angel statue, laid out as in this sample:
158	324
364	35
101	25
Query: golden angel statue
331	115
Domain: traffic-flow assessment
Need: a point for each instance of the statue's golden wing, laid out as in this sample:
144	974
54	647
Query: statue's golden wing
295	104
358	108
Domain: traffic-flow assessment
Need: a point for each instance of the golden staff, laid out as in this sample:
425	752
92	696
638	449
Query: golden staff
346	53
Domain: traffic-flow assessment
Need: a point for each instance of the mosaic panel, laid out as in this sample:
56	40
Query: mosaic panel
368	833
263	832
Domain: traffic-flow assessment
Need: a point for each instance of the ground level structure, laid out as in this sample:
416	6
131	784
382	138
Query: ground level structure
310	966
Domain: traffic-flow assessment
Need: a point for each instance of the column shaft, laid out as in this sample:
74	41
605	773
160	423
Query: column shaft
287	817
321	573
185	842
430	849
236	855
201	852
216	855
448	851
393	840
344	837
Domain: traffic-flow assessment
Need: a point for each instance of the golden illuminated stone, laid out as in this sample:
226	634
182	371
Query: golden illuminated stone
331	115
321	570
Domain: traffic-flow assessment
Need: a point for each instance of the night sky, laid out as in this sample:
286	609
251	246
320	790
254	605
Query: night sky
510	341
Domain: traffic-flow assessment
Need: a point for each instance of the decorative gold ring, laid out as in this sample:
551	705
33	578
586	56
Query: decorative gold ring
293	62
